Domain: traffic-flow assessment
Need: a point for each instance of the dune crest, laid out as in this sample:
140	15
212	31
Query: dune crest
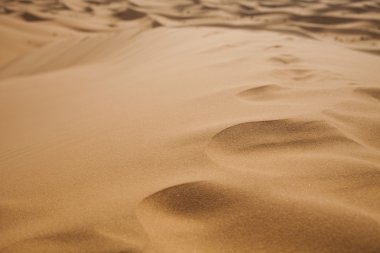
186	126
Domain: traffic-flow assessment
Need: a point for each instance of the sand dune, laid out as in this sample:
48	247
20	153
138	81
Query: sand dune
189	126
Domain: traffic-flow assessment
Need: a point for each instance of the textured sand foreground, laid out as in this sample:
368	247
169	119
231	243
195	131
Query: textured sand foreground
190	126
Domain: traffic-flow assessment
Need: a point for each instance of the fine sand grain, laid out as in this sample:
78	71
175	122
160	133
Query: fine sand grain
183	126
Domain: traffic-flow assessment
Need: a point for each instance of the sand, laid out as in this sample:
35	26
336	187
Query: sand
185	126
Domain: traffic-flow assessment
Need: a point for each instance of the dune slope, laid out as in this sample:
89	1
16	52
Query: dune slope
181	129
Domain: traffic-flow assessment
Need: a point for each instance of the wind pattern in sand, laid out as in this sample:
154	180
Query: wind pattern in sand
180	126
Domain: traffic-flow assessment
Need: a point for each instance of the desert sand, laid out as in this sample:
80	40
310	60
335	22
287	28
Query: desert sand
204	126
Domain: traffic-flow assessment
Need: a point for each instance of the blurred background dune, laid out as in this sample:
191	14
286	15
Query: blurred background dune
203	126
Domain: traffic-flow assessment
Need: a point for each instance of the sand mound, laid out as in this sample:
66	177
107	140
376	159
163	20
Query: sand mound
262	92
280	134
302	148
189	126
199	200
205	217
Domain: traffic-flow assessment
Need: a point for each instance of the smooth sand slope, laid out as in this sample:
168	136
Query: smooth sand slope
190	126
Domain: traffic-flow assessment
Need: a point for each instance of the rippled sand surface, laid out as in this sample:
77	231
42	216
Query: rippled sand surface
180	126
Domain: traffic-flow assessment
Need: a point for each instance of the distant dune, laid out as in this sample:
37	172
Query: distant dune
180	126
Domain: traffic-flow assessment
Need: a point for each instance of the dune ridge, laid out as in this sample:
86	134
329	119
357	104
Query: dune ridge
189	126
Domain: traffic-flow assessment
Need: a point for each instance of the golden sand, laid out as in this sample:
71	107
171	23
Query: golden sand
183	126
